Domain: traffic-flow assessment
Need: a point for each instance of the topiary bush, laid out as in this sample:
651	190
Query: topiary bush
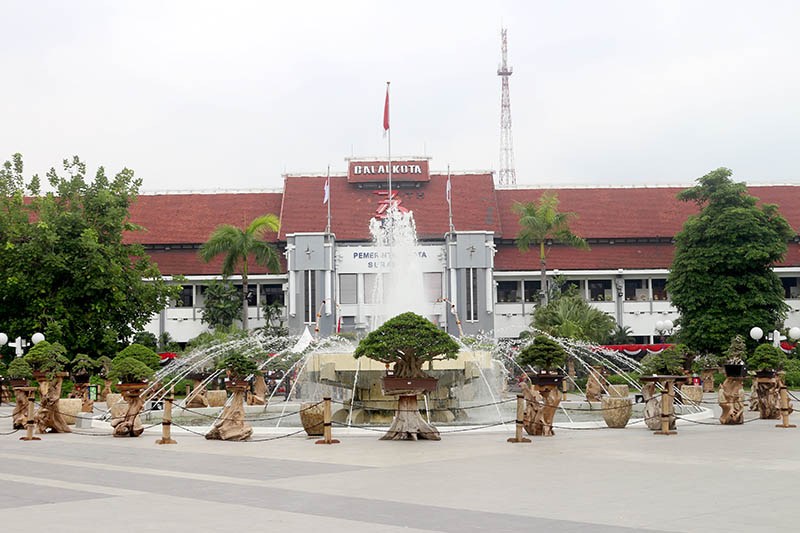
130	370
82	366
766	357
544	354
49	358
668	362
737	351
239	365
103	365
19	369
143	354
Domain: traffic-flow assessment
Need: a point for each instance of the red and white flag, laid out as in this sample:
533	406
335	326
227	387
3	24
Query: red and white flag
327	195
386	110
448	191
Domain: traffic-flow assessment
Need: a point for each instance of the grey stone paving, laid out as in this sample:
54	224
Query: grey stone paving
706	478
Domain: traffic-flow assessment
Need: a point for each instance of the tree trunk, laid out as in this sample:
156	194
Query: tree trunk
244	299
543	262
48	416
130	425
768	398
408	423
231	424
20	414
731	400
197	396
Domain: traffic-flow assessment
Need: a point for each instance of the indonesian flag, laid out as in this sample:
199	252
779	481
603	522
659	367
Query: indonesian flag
327	195
448	190
386	110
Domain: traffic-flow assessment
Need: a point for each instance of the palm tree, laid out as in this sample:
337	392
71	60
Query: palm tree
574	318
238	245
541	222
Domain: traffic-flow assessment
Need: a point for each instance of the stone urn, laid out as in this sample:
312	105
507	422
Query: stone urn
692	394
617	406
311	416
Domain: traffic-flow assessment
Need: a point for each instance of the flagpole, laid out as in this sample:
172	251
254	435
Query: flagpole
328	181
450	201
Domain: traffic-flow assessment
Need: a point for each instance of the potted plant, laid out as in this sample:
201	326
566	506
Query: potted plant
231	424
104	369
81	368
132	368
19	372
47	360
545	355
766	360
668	362
130	371
734	362
238	367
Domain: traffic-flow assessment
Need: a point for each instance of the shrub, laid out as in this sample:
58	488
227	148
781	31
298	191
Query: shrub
544	354
240	366
766	357
668	362
737	351
19	369
142	354
129	370
82	365
47	357
104	365
707	360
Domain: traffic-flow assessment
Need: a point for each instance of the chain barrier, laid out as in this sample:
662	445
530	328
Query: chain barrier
266	439
10	432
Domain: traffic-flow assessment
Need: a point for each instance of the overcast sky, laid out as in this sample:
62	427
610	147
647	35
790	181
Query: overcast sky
231	95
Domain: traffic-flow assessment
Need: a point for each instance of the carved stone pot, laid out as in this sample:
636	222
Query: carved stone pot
617	407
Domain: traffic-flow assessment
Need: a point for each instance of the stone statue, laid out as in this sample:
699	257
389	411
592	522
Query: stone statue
731	400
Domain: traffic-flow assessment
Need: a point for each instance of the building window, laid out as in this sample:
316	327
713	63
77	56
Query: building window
432	286
640	339
532	289
791	288
659	289
271	294
371	295
507	291
348	288
636	290
186	297
600	290
251	294
472	294
310	296
572	286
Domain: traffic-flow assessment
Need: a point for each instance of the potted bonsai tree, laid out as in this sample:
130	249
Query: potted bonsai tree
48	360
668	362
132	368
231	424
19	373
737	353
547	356
766	360
665	367
81	368
404	343
104	371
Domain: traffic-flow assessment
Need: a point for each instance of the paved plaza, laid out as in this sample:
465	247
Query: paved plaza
707	478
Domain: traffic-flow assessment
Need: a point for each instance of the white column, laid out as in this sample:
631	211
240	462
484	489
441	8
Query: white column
489	291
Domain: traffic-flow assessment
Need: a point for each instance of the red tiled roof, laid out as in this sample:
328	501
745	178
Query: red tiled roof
190	218
474	206
600	257
186	262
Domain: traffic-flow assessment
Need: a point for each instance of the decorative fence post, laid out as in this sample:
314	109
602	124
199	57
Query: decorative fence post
326	423
31	422
166	420
520	414
785	410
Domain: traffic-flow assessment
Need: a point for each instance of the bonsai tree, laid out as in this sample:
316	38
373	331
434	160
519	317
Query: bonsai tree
408	341
82	366
766	358
737	351
544	353
48	358
704	361
238	365
19	369
104	365
134	364
669	361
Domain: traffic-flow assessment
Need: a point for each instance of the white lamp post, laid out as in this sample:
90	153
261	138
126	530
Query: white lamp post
19	343
664	328
757	334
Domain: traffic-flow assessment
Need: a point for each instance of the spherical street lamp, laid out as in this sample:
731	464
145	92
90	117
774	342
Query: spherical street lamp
794	333
37	337
20	344
756	333
3	339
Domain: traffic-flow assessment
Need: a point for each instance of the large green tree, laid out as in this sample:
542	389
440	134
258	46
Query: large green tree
238	246
721	279
64	268
540	222
570	316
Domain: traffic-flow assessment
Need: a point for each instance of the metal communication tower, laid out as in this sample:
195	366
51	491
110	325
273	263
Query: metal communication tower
507	175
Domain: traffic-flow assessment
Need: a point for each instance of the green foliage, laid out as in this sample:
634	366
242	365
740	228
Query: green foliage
223	304
792	377
573	318
239	365
65	268
140	353
3	368
620	335
737	351
82	364
145	338
543	353
47	357
766	357
273	316
238	246
167	344
19	369
619	379
407	340
541	222
130	370
721	279
669	361
706	360
104	365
